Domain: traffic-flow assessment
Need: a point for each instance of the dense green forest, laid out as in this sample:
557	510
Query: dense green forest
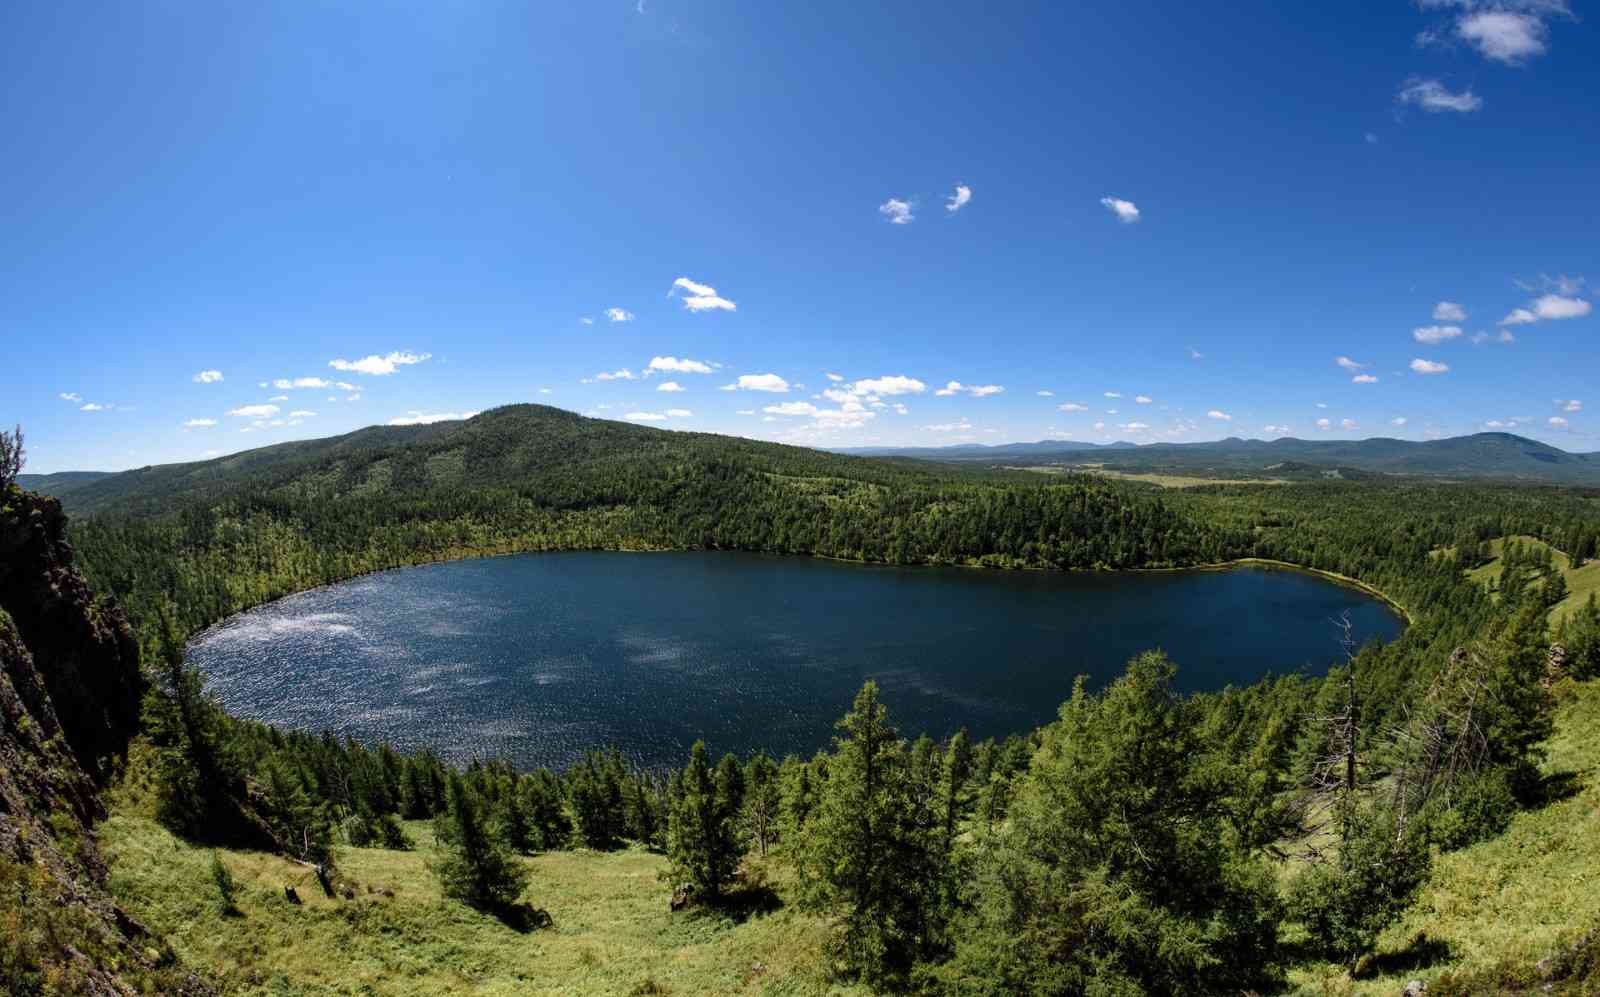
1141	843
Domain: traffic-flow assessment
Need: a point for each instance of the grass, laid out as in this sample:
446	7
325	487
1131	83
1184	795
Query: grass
1510	901
612	932
1580	582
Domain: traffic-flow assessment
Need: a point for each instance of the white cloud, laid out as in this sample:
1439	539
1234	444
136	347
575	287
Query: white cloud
1348	364
678	413
1449	311
585	320
1347	423
284	383
950	427
758	382
1365	379
1195	354
1322	404
1435	334
1504	36
679	365
701	297
669	386
791	408
1073	407
834	377
199	423
301	413
1504	336
416	418
1398	420
544	391
1045	393
745	411
1099	425
254	411
1126	211
1276	430
1558	422
70	396
1371	137
1572	405
950	388
897	211
985	390
616	375
1519	316
1219	415
1429	367
1135	427
1324	423
380	365
619	315
1113	394
1554	306
891	384
1435	97
207	377
959	199
1143	399
278	398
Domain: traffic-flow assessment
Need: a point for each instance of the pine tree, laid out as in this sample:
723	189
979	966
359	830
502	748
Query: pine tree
701	845
763	801
475	866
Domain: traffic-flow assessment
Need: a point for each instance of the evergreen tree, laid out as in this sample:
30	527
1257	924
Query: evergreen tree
763	801
474	865
701	844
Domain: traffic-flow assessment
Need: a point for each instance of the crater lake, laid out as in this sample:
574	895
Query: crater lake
538	658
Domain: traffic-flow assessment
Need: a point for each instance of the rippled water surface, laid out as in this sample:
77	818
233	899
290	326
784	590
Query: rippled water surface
538	658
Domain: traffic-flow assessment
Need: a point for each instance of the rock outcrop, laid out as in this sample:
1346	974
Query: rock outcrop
69	700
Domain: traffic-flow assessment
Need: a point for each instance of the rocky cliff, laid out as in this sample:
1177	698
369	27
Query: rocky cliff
70	687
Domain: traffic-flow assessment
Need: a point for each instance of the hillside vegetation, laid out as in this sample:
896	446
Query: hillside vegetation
1144	842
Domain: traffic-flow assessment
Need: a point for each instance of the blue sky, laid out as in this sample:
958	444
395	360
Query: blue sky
431	211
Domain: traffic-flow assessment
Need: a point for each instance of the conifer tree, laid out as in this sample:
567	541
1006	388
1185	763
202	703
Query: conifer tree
701	844
474	865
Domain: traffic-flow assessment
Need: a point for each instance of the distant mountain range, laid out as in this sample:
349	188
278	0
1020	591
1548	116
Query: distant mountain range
1481	456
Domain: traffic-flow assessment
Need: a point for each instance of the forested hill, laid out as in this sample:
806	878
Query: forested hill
207	539
1480	456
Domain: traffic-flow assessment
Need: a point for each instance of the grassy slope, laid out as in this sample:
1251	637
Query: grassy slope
1513	900
1510	901
1581	582
612	931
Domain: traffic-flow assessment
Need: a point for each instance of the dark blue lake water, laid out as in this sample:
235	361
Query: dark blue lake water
540	657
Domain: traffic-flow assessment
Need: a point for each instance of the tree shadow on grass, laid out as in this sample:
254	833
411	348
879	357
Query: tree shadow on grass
1420	953
521	918
1558	786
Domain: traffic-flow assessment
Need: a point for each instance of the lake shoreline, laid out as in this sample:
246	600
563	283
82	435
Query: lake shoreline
481	554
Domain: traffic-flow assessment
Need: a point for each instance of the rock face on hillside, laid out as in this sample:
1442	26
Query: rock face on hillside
69	699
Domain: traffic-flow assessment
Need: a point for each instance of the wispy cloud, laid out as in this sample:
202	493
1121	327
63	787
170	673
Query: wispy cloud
759	382
70	396
1449	311
1219	415
254	411
616	375
381	365
419	418
1436	98
679	365
1435	334
975	390
619	315
960	199
1126	211
1073	407
700	297
669	386
207	377
198	423
1429	367
1349	364
1365	379
1398	420
897	211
